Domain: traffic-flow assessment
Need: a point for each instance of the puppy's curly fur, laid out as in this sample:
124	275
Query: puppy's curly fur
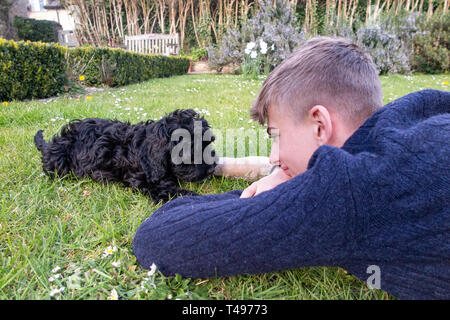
137	155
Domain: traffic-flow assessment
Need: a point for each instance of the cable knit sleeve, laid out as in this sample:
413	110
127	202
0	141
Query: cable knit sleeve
306	221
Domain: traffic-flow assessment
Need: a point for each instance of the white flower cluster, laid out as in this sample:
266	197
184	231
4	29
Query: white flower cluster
56	291
202	112
121	110
149	280
55	275
250	49
59	119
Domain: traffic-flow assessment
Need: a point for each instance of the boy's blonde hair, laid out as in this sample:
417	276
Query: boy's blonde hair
332	72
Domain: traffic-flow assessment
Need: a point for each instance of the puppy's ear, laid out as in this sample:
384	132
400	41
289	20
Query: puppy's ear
155	157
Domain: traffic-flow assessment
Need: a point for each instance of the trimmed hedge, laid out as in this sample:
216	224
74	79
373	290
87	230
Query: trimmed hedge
31	70
39	70
117	67
37	30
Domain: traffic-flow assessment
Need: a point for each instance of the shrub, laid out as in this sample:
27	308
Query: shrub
274	26
230	50
31	70
117	67
388	51
36	30
198	54
388	39
432	45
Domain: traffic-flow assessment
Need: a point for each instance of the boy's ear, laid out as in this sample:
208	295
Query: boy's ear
323	127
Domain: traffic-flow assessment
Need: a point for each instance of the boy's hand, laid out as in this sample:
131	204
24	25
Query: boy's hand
271	181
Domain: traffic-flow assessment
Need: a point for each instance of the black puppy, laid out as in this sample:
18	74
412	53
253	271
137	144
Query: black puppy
140	155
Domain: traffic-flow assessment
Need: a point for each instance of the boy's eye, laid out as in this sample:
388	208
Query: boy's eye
273	133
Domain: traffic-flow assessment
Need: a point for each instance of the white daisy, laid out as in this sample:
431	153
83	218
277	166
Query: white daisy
109	251
113	295
152	270
56	269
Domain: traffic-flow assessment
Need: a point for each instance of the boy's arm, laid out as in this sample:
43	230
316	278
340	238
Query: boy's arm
306	221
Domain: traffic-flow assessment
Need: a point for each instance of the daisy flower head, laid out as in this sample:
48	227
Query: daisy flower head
109	251
113	295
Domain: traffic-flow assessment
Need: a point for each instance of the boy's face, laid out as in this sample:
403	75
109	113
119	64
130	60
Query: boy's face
293	143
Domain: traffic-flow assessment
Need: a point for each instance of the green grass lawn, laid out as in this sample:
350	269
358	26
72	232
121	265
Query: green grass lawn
71	239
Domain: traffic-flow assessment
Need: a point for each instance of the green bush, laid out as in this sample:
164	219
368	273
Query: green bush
432	46
36	30
31	70
117	67
39	70
198	53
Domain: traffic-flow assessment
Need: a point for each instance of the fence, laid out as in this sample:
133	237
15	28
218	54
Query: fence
67	38
166	44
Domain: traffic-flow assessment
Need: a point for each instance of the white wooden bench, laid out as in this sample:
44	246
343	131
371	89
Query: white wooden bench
155	43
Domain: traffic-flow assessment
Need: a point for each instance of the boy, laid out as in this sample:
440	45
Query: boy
323	101
359	186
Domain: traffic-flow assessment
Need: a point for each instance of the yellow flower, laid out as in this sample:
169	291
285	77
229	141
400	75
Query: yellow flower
445	83
89	97
5	103
82	78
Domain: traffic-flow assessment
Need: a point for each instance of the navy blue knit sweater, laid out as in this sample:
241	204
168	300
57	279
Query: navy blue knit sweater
382	199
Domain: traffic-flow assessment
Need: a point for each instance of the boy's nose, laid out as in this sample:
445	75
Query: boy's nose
274	156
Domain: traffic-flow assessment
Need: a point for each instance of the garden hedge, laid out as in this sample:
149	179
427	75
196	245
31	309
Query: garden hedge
39	70
117	67
31	70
